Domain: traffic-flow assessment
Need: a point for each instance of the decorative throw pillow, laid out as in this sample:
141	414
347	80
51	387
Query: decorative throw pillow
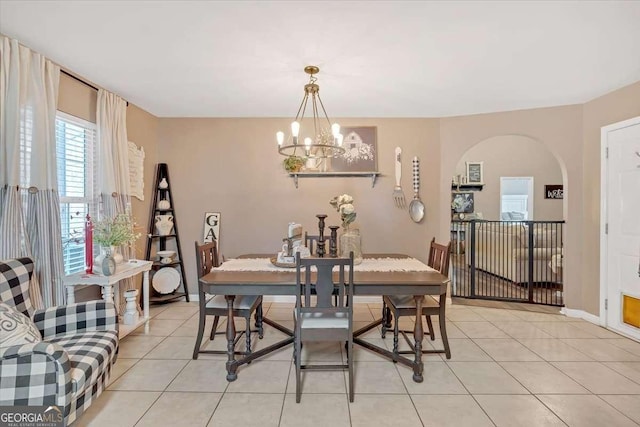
16	328
15	275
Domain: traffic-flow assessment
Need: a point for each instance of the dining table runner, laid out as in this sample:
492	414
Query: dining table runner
368	264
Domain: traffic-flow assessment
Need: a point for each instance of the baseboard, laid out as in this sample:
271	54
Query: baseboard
291	299
581	314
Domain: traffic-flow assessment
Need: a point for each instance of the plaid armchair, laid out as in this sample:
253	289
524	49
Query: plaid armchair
71	366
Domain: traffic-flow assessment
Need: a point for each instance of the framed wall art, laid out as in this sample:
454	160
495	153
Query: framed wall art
553	191
360	144
462	202
475	173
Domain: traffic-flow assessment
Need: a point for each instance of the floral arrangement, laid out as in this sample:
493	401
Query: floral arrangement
344	205
462	202
115	231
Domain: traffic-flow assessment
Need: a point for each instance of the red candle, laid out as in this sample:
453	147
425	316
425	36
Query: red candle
88	244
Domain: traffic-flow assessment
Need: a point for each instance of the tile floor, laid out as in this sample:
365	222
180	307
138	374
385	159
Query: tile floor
508	368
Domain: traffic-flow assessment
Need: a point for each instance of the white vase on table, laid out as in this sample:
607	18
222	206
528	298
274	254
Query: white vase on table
113	251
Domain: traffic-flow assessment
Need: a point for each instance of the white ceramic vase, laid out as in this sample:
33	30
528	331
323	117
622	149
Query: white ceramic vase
111	250
164	224
163	184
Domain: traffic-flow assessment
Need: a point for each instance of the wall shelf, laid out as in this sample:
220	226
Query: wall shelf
372	175
467	187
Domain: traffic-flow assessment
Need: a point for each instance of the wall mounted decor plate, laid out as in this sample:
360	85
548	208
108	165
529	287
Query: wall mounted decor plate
166	280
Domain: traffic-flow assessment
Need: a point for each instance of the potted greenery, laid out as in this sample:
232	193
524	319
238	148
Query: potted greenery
294	163
111	232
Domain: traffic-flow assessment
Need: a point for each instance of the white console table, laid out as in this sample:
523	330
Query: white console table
123	271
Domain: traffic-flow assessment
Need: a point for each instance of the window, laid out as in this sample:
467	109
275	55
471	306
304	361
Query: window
76	157
516	198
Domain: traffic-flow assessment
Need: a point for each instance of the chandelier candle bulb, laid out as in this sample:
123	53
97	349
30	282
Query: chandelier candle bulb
295	131
280	138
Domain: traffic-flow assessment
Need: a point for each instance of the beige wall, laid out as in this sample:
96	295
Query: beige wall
142	129
77	99
514	156
560	130
232	166
614	107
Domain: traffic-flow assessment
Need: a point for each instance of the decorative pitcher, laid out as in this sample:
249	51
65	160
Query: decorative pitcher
164	224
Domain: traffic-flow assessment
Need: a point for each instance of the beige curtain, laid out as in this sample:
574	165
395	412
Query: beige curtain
29	202
114	167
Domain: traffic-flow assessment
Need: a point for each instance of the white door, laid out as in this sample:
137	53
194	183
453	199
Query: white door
621	205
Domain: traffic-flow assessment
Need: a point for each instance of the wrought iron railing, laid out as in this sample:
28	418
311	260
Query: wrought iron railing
508	260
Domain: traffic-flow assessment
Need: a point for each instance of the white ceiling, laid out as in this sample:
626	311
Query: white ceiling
377	59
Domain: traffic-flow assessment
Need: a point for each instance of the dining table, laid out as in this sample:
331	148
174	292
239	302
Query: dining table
379	274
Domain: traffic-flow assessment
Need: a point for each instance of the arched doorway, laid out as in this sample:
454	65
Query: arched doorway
507	232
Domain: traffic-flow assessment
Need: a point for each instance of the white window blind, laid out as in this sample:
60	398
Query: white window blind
76	157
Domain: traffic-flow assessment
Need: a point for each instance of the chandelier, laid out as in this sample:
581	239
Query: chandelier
320	141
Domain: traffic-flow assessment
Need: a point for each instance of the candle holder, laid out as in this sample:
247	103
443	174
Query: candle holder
333	241
321	218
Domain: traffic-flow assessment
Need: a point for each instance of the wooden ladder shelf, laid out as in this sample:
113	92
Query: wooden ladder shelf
159	238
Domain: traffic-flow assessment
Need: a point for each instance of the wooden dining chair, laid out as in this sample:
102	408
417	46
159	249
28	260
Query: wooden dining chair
405	305
243	305
324	321
311	241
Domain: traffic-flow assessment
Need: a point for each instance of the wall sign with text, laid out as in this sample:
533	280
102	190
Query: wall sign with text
475	172
553	192
212	227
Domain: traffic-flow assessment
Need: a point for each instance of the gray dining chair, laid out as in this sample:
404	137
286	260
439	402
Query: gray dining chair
243	305
311	242
405	305
319	319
